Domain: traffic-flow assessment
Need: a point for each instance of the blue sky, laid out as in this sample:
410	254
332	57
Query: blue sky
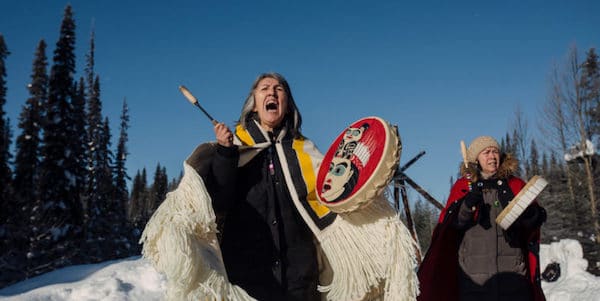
443	71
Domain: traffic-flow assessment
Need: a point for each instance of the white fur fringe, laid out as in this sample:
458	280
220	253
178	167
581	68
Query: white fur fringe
180	240
372	255
370	251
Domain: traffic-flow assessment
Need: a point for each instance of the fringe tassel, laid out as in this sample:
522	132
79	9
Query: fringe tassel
372	254
180	240
370	251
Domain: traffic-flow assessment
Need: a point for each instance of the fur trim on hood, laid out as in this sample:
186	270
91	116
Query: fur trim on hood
508	166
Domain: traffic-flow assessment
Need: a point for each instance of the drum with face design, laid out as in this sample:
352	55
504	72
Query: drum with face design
358	165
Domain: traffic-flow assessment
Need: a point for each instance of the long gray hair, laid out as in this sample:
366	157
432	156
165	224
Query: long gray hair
292	119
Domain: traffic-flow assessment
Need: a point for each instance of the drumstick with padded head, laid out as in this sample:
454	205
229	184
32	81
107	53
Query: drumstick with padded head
192	99
195	102
463	150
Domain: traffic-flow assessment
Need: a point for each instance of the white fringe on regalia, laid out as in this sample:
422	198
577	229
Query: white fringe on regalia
371	254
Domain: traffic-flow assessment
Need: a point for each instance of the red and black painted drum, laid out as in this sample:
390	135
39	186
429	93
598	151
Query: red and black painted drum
358	165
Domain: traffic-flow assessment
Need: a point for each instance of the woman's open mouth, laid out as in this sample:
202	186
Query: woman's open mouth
272	106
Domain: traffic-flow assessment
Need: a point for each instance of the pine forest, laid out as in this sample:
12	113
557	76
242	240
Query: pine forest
66	200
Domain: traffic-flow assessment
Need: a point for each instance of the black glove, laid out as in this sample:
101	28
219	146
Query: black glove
533	217
473	198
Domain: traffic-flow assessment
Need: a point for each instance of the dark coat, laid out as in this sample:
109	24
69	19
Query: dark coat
439	273
267	247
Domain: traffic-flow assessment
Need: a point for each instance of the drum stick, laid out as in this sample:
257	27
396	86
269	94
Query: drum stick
463	150
195	102
192	99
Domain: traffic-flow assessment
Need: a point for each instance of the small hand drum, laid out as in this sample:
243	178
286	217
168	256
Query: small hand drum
358	165
519	203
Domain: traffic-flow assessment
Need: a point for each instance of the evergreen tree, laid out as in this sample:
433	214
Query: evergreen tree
104	215
145	196
80	147
425	218
5	172
159	189
533	165
562	220
94	130
120	173
95	156
103	219
120	183
115	212
58	216
507	145
138	202
135	210
76	166
27	160
590	83
29	141
8	224
106	185
175	182
580	94
90	63
590	99
5	137
90	96
77	142
545	169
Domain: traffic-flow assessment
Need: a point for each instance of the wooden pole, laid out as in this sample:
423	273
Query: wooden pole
424	193
409	221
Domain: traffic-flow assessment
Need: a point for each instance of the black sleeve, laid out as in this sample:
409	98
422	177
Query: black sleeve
223	178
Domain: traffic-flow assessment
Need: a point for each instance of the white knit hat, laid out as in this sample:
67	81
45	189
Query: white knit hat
478	145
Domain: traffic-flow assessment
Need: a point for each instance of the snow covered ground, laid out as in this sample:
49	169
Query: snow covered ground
136	279
574	282
129	279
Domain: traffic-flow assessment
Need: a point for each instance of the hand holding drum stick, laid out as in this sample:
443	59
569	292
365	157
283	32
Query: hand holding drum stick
223	134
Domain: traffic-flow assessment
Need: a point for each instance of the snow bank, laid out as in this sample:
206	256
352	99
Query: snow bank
135	279
574	282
